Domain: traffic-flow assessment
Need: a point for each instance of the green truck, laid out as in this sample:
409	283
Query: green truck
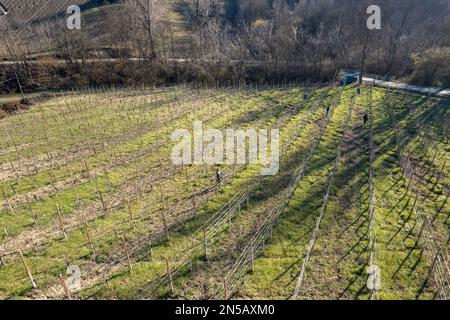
348	78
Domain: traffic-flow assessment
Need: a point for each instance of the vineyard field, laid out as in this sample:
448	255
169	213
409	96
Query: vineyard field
93	207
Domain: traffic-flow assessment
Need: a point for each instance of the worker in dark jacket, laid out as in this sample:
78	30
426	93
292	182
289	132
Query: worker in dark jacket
366	118
305	96
358	90
218	178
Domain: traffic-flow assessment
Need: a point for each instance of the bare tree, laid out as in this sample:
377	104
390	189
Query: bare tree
145	17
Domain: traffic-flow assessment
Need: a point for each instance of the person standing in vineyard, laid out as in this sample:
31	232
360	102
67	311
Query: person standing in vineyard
218	178
365	118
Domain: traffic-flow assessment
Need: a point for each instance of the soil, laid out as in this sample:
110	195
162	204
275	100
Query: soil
12	108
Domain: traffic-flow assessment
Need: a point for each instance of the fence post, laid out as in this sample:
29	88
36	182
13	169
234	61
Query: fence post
5	230
27	269
163	213
6	200
163	200
88	235
105	208
61	224
125	247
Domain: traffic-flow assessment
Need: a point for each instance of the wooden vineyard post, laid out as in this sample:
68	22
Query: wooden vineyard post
64	285
163	199
150	249
75	192
127	253
61	223
105	208
5	230
133	223
87	171
135	180
105	174
166	230
169	275
159	154
33	215
13	169
13	188
88	235
27	269
53	181
6	200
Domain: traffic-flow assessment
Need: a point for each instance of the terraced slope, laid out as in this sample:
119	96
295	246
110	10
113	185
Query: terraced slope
87	182
369	219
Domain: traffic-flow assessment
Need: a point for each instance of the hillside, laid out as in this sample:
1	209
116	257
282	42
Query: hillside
87	182
23	12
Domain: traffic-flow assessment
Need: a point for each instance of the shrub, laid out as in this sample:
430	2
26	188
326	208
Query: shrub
432	68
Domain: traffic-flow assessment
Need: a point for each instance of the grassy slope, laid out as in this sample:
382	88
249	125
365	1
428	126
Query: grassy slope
338	266
68	250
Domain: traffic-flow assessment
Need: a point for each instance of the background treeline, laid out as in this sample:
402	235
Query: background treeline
127	42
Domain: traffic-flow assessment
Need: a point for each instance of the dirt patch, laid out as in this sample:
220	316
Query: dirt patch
12	108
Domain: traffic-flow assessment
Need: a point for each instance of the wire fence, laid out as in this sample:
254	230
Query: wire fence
256	243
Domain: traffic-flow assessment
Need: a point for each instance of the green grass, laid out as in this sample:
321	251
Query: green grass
337	269
123	128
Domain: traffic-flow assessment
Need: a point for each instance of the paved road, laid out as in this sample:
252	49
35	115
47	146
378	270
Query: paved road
403	86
